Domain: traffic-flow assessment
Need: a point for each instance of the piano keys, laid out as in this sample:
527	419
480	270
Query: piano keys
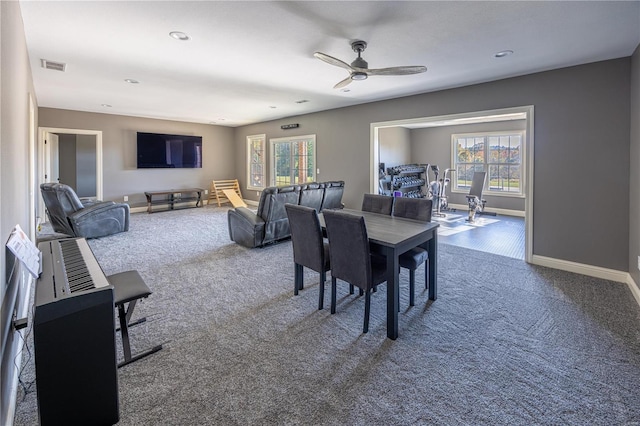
74	337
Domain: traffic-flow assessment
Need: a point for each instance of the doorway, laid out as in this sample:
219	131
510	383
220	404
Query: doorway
90	142
489	116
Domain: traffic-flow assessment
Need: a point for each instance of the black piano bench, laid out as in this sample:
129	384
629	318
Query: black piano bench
129	287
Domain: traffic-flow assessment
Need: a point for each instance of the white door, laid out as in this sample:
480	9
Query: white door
50	170
51	148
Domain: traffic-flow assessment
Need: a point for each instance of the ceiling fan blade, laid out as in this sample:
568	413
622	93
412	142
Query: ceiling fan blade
343	83
333	61
397	70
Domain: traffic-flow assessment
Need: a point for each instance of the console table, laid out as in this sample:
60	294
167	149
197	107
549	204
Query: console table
174	196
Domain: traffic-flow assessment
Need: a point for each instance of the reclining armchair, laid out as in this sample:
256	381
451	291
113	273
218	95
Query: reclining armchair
68	215
270	222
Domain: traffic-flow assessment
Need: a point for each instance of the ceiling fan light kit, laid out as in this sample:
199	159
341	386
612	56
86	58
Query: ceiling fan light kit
359	76
359	68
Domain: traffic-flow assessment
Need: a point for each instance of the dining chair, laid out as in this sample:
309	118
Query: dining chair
351	258
417	209
375	203
309	247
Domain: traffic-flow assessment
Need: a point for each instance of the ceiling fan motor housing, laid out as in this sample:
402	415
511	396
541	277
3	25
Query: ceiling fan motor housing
358	46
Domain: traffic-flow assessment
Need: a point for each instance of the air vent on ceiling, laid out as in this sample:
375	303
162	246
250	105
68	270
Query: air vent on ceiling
50	65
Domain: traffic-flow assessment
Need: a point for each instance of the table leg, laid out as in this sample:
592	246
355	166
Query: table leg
149	203
433	266
393	269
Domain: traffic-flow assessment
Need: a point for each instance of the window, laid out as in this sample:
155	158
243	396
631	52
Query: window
293	160
256	161
500	154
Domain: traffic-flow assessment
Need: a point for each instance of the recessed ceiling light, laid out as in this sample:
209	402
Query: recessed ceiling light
132	81
178	35
503	53
345	90
302	101
273	106
106	105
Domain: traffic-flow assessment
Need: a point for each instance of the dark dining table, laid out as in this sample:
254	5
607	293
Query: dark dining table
391	236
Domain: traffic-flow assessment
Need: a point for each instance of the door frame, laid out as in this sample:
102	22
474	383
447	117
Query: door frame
45	166
374	157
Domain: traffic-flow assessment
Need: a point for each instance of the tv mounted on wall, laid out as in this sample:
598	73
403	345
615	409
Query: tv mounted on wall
157	150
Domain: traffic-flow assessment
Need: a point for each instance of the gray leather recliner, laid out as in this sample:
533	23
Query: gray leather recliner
68	215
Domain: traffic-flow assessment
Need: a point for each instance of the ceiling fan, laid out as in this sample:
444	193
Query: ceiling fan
358	70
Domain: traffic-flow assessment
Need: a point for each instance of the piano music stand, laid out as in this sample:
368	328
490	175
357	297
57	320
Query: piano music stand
129	287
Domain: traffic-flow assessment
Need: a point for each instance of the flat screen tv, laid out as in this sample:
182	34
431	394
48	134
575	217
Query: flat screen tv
157	150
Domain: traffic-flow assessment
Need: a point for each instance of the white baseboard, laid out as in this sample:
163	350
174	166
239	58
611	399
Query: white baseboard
581	268
589	270
634	288
506	212
143	209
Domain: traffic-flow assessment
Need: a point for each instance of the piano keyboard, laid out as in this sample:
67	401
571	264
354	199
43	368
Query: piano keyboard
74	337
81	272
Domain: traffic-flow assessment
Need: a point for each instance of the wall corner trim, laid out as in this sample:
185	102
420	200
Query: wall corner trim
589	270
634	288
580	268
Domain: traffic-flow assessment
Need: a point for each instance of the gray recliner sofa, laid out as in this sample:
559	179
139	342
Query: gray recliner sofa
270	223
91	219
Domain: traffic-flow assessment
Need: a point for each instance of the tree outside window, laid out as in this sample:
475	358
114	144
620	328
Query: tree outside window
293	160
497	153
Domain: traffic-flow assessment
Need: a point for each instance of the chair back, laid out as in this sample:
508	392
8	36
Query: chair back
272	211
333	195
61	201
477	184
375	203
306	237
350	255
413	208
311	195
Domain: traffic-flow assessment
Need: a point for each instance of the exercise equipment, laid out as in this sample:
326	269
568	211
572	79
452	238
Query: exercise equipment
476	203
438	190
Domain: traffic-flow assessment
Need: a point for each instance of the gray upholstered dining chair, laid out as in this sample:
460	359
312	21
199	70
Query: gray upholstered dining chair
309	247
351	259
375	203
417	209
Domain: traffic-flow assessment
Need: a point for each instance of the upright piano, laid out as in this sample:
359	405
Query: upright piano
74	337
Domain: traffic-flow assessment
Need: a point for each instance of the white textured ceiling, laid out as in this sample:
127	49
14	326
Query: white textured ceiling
249	62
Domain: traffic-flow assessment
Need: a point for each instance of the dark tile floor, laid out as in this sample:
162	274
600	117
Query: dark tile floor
503	235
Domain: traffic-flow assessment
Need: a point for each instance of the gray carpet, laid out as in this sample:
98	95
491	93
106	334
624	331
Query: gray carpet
505	343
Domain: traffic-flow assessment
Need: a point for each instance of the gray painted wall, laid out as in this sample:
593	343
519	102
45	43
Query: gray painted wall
16	85
432	145
66	161
86	165
582	126
77	163
120	175
395	146
634	175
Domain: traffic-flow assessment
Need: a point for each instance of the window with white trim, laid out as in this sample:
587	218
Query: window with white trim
256	162
293	160
500	154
